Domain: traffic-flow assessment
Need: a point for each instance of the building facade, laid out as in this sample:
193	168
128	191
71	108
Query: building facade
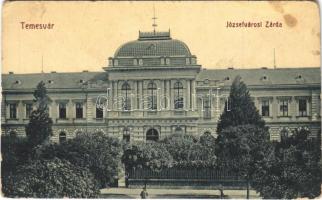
153	87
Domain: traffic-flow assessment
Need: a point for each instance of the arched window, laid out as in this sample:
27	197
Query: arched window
178	95
178	130
126	135
13	134
152	98
126	89
152	135
62	137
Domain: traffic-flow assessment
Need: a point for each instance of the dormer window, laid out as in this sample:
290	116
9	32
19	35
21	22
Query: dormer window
116	62
264	78
187	61
135	62
299	76
81	81
18	82
50	81
227	78
140	62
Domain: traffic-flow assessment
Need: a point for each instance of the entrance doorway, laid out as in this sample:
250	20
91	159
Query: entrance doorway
152	135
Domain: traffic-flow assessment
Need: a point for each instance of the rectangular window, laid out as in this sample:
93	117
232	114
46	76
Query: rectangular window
140	61
302	107
167	61
284	108
99	111
62	111
127	104
265	108
206	108
152	102
178	102
79	110
13	110
28	110
162	61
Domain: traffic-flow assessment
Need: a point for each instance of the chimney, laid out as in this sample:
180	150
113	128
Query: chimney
11	73
53	72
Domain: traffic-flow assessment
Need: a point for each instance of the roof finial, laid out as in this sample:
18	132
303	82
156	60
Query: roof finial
154	18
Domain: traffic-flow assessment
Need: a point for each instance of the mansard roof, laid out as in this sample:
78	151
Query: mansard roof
252	77
264	76
153	44
53	80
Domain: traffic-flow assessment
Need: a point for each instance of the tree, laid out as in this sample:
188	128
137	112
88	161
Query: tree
240	109
294	171
39	128
100	153
147	155
51	179
241	147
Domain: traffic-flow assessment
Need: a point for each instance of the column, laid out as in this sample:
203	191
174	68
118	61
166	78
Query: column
315	106
194	95
70	111
274	109
188	95
20	113
217	99
3	109
139	94
116	103
170	96
159	94
89	108
293	107
111	96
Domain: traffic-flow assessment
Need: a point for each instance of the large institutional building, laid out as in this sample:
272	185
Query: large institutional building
154	87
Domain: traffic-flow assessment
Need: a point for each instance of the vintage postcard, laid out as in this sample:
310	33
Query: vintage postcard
161	99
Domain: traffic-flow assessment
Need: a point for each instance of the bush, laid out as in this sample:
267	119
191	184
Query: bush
188	152
147	155
99	153
51	179
15	151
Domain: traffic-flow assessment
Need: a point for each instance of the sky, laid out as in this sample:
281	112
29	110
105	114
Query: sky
85	34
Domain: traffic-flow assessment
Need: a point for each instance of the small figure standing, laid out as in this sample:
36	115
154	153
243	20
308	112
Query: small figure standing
221	189
144	194
126	180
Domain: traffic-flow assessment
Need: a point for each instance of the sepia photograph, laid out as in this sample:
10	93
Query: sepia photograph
161	100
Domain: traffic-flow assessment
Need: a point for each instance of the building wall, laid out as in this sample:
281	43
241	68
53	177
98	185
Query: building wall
165	119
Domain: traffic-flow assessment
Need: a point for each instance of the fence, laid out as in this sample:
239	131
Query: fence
173	173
